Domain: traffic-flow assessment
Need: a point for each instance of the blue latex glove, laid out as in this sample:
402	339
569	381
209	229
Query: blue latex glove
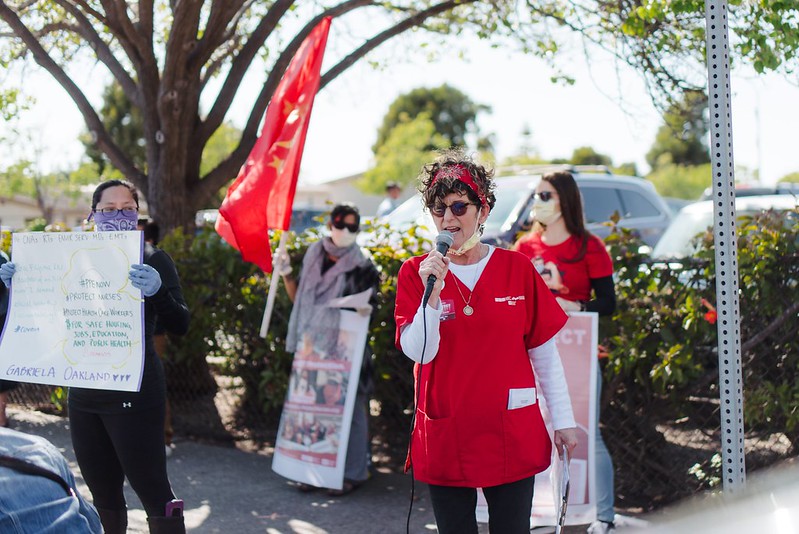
145	278
7	271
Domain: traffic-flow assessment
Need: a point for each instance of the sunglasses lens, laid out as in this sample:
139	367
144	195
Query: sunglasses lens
543	196
340	225
459	208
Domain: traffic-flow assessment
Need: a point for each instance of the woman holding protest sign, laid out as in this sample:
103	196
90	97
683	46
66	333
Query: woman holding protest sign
118	434
5	385
477	420
334	267
578	270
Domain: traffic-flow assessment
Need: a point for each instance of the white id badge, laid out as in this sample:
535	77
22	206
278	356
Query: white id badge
519	398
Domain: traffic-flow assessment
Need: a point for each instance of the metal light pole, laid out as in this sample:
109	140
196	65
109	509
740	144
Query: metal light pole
725	239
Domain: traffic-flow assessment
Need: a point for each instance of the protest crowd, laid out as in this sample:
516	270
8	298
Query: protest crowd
118	434
508	386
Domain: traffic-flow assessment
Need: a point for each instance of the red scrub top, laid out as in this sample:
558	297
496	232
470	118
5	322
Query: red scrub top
568	280
464	434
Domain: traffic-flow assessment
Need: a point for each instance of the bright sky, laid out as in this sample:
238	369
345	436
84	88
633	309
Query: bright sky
349	110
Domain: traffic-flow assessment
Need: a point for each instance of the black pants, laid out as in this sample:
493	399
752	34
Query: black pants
110	447
509	507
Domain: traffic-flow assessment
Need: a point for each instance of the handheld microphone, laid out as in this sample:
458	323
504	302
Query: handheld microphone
443	242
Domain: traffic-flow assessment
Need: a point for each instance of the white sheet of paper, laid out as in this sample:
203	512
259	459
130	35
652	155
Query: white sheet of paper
358	300
521	397
74	319
561	487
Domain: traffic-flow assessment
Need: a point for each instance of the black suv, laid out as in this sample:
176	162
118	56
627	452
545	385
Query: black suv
635	199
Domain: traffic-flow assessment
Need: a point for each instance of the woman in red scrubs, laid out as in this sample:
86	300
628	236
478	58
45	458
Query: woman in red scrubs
579	272
478	423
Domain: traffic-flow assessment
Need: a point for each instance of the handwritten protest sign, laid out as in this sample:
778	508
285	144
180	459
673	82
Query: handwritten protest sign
74	319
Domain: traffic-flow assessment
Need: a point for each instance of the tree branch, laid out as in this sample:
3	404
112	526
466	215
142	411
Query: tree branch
218	61
91	11
410	22
103	51
757	339
228	168
215	179
238	69
146	17
217	30
93	122
117	13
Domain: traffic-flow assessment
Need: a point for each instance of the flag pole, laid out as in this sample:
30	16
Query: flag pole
270	298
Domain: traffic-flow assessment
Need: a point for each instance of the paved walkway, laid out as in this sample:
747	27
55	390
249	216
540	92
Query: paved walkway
230	491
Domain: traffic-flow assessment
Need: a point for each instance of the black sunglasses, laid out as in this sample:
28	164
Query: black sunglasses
458	208
543	196
340	224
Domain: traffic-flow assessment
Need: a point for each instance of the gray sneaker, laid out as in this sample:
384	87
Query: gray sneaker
601	527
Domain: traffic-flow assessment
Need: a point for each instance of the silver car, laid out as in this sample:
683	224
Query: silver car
678	240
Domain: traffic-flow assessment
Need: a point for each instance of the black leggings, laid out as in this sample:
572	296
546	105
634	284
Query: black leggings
109	447
509	507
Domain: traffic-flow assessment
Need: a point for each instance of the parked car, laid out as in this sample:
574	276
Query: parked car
678	240
635	199
302	218
780	188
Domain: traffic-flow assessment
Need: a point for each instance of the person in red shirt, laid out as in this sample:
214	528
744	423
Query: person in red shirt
477	422
578	270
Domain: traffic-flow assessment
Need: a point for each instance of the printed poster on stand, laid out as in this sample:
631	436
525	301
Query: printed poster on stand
577	344
74	319
314	430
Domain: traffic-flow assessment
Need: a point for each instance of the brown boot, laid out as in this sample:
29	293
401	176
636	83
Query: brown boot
114	521
166	525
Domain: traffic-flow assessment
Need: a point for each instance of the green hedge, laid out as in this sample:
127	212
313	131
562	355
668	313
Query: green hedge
227	296
662	370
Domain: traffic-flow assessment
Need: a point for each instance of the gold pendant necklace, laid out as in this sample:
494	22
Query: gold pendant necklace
467	309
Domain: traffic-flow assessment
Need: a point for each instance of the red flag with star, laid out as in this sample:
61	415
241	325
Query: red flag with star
263	193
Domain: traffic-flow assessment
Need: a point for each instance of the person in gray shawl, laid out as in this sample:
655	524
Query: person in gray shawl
334	267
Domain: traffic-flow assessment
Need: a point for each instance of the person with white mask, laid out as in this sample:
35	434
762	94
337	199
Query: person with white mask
578	270
334	267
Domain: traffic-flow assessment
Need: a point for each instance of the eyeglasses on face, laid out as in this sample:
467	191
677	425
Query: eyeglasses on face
457	208
544	196
340	225
127	212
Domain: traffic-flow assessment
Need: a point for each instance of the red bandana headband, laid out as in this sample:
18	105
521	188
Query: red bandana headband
460	173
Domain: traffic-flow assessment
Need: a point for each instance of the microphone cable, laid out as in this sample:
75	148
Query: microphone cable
413	417
444	240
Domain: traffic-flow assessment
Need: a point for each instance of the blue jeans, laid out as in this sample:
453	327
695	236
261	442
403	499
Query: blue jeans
604	468
356	466
32	503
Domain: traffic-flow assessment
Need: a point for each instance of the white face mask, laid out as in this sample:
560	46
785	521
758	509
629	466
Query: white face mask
469	244
343	237
545	212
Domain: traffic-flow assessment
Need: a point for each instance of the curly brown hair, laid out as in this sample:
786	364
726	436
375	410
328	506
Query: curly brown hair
445	185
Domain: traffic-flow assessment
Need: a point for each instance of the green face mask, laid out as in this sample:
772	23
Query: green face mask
469	243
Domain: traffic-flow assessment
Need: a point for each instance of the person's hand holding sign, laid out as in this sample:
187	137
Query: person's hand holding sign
7	271
146	278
